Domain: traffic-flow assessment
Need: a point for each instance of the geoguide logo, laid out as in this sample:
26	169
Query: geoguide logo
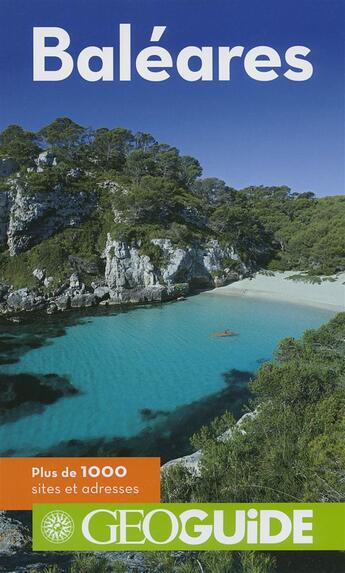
189	527
57	526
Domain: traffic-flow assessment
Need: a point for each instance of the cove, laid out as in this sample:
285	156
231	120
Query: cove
150	369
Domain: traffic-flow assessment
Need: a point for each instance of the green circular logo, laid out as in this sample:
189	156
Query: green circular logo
57	526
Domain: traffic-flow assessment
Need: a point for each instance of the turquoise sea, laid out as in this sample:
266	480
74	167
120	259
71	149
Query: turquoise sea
149	370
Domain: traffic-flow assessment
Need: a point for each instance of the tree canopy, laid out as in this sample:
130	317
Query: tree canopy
157	186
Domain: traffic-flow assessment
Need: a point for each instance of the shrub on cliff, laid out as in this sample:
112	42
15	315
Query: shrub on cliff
291	449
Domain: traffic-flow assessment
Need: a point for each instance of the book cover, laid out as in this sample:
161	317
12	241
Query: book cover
172	286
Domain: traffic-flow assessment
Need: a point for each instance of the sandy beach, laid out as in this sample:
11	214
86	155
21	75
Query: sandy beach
328	294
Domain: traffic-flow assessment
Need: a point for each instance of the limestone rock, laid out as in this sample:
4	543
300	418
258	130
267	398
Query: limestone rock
223	263
45	159
24	299
200	265
101	292
184	264
52	308
190	462
62	302
39	274
74	281
83	300
34	217
48	281
14	536
126	268
133	277
154	293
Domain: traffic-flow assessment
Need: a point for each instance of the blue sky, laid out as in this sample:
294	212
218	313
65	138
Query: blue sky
243	131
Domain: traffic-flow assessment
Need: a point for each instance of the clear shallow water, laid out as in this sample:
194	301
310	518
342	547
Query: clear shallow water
158	358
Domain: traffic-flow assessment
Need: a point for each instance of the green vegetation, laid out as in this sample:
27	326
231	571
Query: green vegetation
149	190
207	562
56	255
19	144
154	252
292	448
303	278
210	562
62	133
59	176
88	563
84	563
308	233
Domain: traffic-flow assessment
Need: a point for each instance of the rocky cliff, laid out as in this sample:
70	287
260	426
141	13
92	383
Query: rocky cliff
29	218
130	276
127	271
131	273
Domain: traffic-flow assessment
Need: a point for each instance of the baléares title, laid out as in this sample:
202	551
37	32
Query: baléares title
154	62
